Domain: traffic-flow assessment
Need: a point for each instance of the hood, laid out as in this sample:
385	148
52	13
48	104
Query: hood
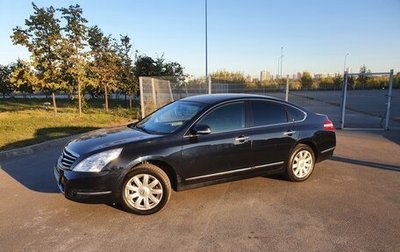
107	138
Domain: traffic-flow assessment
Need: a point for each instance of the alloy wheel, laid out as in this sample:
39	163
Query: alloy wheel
302	164
143	191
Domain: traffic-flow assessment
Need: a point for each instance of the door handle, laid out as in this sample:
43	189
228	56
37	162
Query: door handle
241	139
289	133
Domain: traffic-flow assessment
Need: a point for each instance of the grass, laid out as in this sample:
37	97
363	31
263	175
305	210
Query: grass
25	122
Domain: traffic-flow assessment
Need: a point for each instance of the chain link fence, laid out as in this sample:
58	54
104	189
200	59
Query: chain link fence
365	106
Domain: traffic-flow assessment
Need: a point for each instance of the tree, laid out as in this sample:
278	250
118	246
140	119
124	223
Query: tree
146	66
362	79
306	80
338	81
42	37
73	53
6	86
294	84
128	83
104	64
23	78
227	76
396	80
171	69
326	83
351	82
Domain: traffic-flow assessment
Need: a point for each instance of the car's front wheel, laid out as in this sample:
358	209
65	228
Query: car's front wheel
301	163
146	190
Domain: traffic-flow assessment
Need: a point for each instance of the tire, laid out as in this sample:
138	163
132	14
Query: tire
138	198
301	163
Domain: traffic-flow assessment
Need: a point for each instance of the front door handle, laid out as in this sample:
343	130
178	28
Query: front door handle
289	133
241	139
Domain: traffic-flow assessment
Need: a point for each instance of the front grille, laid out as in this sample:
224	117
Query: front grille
67	158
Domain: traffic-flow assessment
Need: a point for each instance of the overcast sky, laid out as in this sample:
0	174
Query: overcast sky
243	35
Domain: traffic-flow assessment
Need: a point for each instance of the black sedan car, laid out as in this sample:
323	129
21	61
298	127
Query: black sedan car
196	141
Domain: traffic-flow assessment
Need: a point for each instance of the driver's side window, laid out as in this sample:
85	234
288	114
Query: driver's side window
225	118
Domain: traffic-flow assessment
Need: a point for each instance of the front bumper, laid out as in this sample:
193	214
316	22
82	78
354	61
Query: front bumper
101	187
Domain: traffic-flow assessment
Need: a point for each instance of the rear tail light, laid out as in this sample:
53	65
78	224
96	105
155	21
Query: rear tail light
328	125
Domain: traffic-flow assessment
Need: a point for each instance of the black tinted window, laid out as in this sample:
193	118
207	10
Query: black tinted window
266	113
294	114
225	118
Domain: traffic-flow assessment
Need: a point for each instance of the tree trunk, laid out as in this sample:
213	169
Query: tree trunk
79	99
130	101
105	99
54	102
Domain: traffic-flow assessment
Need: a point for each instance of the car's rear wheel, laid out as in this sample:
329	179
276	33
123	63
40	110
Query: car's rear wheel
146	190
301	163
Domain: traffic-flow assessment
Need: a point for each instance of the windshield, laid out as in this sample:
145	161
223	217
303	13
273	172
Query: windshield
170	118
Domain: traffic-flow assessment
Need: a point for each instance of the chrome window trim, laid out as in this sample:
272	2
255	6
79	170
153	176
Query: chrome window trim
284	103
234	171
252	127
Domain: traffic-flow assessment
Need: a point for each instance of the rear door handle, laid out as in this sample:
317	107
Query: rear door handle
289	133
241	139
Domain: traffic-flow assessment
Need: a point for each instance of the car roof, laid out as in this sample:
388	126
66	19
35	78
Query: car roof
218	98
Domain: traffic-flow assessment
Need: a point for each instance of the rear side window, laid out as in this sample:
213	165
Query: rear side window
267	113
225	118
294	114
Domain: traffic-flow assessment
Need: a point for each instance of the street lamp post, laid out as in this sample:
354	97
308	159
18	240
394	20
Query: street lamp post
277	74
207	77
345	59
281	62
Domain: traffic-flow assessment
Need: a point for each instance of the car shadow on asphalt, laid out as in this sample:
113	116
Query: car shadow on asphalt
392	135
35	170
366	163
34	177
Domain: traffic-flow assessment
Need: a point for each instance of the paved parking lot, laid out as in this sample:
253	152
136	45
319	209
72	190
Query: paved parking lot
351	203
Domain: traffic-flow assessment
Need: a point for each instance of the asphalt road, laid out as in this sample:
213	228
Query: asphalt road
351	203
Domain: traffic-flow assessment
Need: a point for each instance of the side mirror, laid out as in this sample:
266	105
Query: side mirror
201	129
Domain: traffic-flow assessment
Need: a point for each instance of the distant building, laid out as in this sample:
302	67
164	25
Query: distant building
318	76
265	76
299	75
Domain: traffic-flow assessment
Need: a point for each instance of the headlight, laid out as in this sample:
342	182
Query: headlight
97	162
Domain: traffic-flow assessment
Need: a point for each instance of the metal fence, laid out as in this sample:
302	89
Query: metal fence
364	108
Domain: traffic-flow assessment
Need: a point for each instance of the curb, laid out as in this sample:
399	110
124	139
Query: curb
5	155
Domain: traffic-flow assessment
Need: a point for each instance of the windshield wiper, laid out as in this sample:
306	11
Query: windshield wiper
142	128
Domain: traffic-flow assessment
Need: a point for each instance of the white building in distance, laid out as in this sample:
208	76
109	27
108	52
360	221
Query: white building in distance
265	76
